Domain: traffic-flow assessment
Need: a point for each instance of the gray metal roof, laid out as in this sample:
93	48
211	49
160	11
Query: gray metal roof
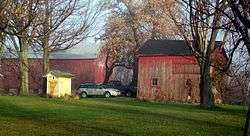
165	47
54	55
168	47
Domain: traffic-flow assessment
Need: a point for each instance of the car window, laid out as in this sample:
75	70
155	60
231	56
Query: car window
91	86
87	86
99	87
83	86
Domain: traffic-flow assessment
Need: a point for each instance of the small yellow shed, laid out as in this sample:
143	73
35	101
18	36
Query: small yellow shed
58	83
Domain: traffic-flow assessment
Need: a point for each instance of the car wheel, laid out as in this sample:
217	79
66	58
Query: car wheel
107	95
128	94
84	95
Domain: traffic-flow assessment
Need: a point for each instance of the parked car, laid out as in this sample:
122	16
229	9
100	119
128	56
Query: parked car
126	90
91	89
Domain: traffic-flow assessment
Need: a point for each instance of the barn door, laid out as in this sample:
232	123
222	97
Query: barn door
155	87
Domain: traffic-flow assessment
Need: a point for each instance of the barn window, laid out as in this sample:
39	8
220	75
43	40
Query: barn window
155	81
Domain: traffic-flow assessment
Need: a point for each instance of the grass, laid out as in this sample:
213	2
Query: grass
116	116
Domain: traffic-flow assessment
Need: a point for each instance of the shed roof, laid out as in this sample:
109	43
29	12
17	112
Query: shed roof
59	73
167	47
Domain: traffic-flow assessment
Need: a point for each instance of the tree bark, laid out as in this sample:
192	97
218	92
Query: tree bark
45	66
108	70
206	95
246	39
45	46
23	62
135	73
108	73
247	124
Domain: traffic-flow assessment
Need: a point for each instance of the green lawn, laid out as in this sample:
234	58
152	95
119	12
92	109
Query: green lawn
116	116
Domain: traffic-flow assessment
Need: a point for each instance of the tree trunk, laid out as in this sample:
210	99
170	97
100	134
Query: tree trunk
108	73
135	73
45	47
206	95
247	42
45	66
247	124
23	61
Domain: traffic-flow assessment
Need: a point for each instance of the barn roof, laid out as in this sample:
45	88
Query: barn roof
167	47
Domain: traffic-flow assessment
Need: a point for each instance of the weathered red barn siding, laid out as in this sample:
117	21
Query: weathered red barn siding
84	70
172	73
100	70
9	70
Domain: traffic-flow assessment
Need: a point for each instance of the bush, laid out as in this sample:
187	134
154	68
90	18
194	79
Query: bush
70	97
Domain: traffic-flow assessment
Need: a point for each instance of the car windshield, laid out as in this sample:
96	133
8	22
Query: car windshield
107	86
87	85
99	87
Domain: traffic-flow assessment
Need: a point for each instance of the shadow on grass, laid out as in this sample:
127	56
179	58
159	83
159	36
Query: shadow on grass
124	102
43	116
232	110
134	111
236	109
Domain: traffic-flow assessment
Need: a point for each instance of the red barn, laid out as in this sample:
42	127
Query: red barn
84	70
168	71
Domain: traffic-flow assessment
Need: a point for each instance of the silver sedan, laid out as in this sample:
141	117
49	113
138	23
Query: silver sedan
86	90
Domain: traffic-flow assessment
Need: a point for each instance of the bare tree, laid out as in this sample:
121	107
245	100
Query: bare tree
46	25
129	25
66	24
240	11
16	20
200	28
240	19
207	16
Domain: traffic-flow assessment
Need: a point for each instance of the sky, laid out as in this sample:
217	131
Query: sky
88	48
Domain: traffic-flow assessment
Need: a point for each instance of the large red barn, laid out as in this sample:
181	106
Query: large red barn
168	71
84	70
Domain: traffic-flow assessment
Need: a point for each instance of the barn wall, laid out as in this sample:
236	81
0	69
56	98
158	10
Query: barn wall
10	71
100	70
172	73
84	70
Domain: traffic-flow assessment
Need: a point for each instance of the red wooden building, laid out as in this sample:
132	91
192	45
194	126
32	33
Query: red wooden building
168	71
84	70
